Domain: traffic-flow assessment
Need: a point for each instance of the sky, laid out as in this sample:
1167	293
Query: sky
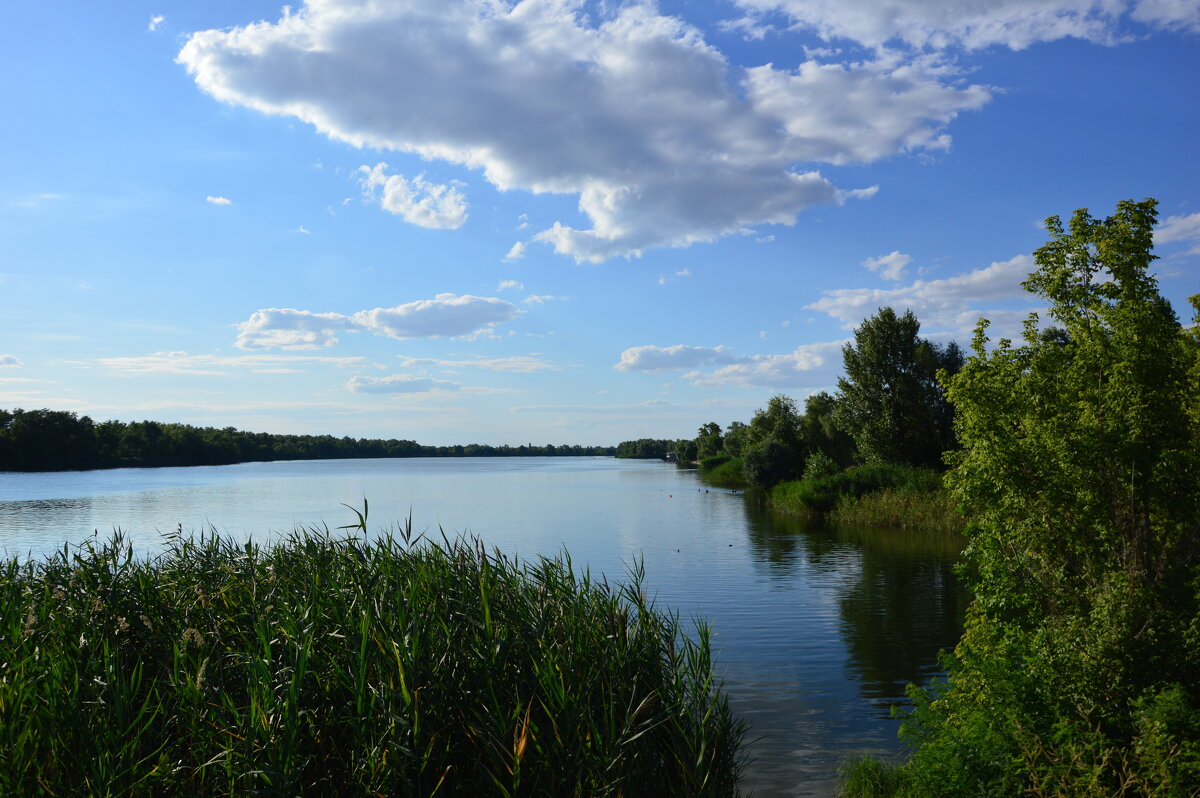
550	221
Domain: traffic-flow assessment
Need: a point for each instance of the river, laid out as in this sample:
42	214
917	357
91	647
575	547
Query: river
817	629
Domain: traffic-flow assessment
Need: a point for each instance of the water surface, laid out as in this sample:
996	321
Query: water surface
817	629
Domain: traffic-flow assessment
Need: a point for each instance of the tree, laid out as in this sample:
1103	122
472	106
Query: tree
1080	475
768	463
708	440
779	421
821	433
890	402
737	436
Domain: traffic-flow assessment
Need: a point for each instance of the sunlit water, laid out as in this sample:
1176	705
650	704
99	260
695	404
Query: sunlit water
817	630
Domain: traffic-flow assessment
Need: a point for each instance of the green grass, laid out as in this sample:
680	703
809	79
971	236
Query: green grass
875	494
723	471
341	666
867	777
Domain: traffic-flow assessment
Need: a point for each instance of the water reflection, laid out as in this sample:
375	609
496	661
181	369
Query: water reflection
898	598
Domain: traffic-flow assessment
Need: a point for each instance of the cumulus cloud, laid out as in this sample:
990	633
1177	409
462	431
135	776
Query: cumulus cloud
953	302
790	370
420	202
155	21
513	284
972	24
287	328
444	316
398	383
9	361
541	299
218	200
653	359
661	138
516	253
889	266
1180	228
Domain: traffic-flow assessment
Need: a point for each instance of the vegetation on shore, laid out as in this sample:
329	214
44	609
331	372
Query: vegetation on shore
54	440
1079	473
338	666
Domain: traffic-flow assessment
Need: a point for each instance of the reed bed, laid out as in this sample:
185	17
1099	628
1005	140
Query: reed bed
336	665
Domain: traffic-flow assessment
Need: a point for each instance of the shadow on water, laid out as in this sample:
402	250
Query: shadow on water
898	597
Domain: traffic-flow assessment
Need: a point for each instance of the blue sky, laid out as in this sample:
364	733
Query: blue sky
552	221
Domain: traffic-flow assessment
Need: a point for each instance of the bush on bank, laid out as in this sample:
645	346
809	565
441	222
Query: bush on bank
326	666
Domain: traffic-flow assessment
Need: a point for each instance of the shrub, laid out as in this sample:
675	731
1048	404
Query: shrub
768	463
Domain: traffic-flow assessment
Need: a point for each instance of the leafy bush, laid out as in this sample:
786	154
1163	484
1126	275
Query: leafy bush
768	463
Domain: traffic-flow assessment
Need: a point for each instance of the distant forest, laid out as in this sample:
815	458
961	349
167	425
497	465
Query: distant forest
55	440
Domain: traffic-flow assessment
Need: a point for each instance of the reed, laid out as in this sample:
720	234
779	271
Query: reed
338	665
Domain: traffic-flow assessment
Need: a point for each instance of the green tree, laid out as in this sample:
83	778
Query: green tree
779	421
737	437
768	463
821	433
708	440
889	401
1079	672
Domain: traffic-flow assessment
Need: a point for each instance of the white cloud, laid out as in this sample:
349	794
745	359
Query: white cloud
444	316
218	200
1180	228
889	266
155	21
953	302
541	299
513	284
516	253
184	363
287	328
664	141
9	361
973	24
398	383
301	229
517	364
653	359
420	202
771	371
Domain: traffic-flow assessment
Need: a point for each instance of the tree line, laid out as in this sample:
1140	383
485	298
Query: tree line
889	408
56	440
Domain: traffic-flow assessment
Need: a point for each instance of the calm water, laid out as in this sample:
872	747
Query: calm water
818	630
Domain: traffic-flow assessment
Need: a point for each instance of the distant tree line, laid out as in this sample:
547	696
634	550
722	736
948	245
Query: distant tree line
889	408
55	440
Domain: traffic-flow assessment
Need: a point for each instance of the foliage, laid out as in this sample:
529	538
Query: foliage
866	777
1079	672
645	448
723	471
889	400
819	465
55	440
768	463
336	667
823	494
910	507
737	438
780	421
708	440
821	432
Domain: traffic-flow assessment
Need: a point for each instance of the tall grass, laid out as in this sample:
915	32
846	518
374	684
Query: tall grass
723	471
342	666
873	494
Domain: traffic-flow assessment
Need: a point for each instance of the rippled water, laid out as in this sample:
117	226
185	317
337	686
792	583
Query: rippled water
817	630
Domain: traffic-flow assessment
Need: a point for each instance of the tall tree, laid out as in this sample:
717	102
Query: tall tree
1080	474
889	401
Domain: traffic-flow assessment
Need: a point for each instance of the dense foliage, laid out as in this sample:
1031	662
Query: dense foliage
889	400
339	667
51	440
1079	671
